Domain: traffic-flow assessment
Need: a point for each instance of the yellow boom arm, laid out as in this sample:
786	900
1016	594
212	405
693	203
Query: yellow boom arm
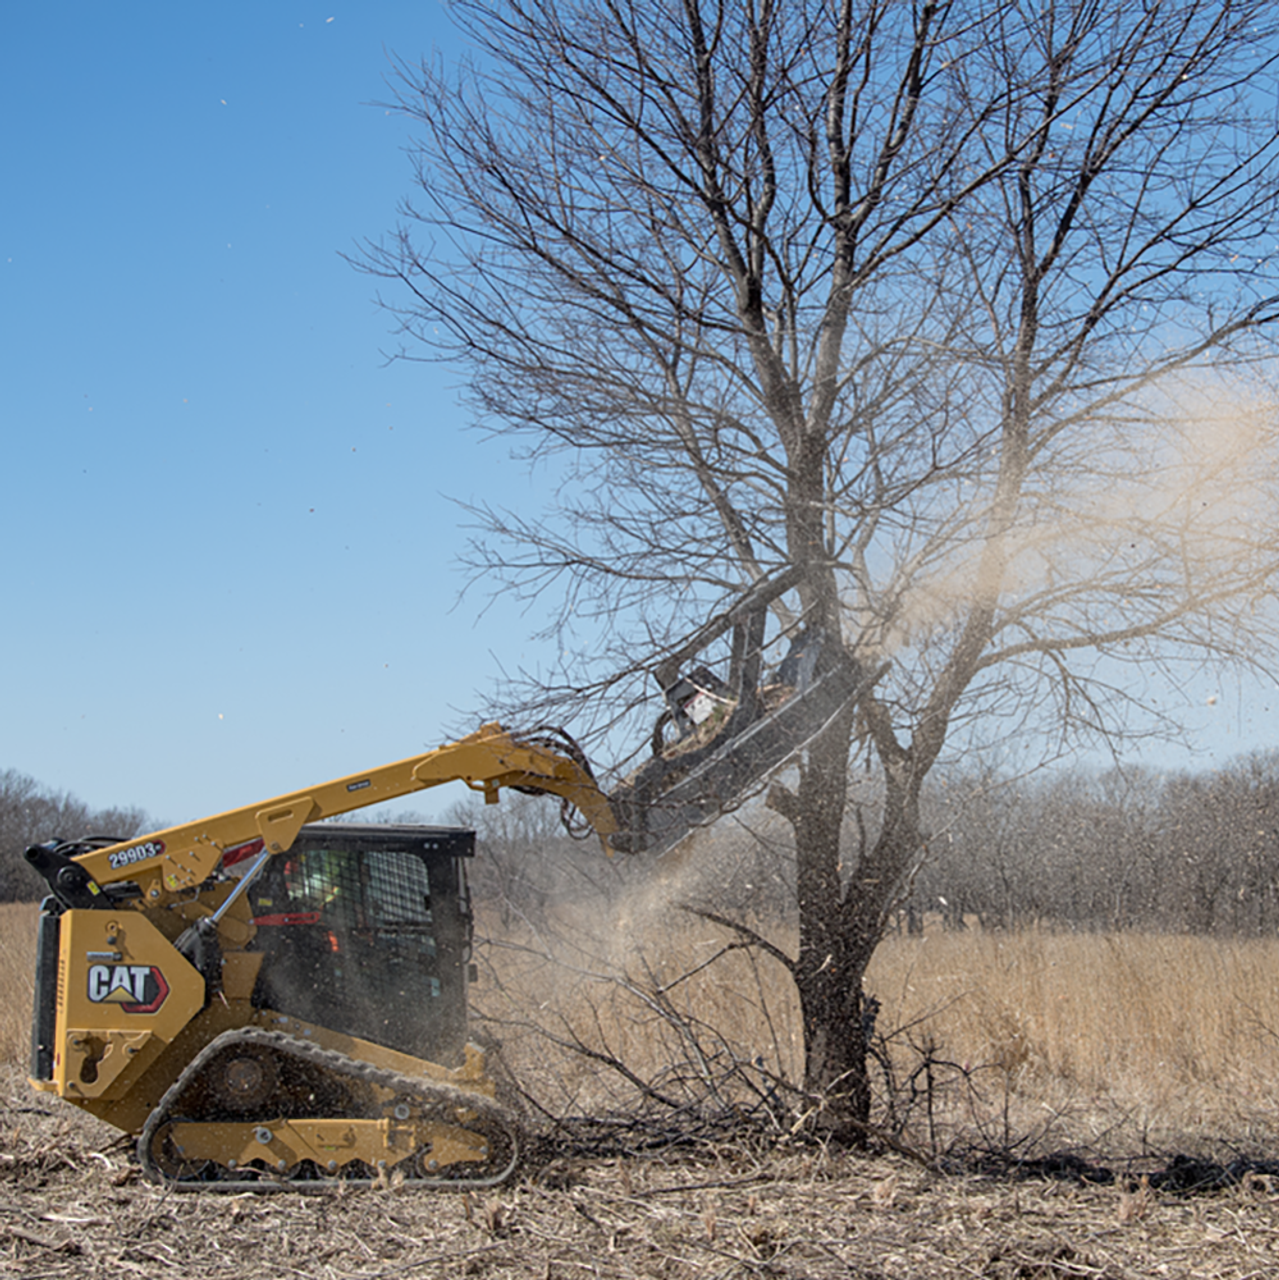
169	862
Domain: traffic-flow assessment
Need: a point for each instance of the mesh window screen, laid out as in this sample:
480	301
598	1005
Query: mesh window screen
381	889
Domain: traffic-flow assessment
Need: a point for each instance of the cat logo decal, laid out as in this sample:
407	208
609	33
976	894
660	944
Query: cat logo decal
136	988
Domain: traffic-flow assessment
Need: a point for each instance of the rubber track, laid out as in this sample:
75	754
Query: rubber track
496	1122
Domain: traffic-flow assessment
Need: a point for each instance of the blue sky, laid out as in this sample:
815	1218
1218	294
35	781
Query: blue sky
230	549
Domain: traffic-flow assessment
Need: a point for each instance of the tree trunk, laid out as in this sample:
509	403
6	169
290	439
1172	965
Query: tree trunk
832	961
841	918
832	1008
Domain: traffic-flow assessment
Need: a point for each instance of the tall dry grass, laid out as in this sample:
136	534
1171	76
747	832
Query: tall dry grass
1093	1010
1129	1039
1125	1040
17	979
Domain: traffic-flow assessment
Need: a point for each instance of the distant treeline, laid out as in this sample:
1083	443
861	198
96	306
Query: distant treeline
1122	849
1074	849
31	813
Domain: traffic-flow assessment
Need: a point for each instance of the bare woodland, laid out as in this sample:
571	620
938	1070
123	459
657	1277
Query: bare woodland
1073	850
959	310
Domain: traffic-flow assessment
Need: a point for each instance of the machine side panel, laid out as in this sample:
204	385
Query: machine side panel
125	993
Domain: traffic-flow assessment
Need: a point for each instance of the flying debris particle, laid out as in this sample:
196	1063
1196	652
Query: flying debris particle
219	715
327	21
1212	699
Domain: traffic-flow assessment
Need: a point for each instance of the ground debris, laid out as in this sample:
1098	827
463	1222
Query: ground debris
739	1209
792	1218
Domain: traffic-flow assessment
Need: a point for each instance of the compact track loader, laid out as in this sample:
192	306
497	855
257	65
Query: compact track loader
268	1000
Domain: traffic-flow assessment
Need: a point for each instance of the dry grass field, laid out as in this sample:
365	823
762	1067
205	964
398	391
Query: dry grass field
17	969
1116	1046
1121	1044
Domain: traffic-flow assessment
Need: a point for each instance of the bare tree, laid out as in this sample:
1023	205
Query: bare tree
907	298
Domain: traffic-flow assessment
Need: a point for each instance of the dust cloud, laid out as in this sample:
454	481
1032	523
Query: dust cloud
644	911
1174	502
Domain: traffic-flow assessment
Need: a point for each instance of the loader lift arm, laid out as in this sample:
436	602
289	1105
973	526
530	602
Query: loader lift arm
168	863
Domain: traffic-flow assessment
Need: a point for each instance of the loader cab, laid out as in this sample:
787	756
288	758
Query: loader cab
366	930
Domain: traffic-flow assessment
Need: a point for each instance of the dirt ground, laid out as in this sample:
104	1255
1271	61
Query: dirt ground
72	1205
